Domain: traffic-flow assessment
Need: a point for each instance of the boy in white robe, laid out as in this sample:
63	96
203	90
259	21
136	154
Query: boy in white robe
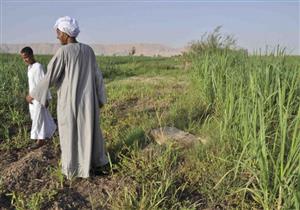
43	126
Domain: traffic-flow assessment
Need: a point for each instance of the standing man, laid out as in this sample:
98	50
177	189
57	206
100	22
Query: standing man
80	93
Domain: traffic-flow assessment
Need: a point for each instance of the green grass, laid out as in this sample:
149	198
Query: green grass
256	100
247	107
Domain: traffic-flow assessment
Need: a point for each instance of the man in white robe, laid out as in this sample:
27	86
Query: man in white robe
80	93
43	126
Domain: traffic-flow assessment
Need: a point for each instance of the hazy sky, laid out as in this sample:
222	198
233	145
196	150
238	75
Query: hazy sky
175	23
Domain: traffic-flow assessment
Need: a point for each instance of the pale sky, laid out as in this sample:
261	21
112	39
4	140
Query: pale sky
255	24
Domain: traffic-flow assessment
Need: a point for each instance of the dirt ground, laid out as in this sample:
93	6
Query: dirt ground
28	171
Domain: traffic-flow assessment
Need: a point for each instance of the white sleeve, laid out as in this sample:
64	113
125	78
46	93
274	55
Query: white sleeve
39	75
55	70
100	87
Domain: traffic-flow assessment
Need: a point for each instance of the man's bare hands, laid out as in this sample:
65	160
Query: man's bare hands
29	99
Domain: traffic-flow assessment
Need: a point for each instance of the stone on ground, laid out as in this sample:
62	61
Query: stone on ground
167	135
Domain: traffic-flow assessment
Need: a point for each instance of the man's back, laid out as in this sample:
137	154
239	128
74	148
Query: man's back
79	75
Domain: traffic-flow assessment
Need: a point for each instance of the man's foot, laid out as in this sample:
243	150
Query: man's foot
39	143
101	170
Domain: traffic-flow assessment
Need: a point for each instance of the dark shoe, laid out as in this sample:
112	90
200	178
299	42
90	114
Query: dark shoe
38	144
101	170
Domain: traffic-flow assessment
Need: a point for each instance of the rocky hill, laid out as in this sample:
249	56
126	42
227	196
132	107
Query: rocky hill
100	49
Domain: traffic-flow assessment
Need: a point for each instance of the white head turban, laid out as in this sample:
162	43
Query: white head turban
67	25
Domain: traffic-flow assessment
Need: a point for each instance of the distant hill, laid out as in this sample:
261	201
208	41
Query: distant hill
100	49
